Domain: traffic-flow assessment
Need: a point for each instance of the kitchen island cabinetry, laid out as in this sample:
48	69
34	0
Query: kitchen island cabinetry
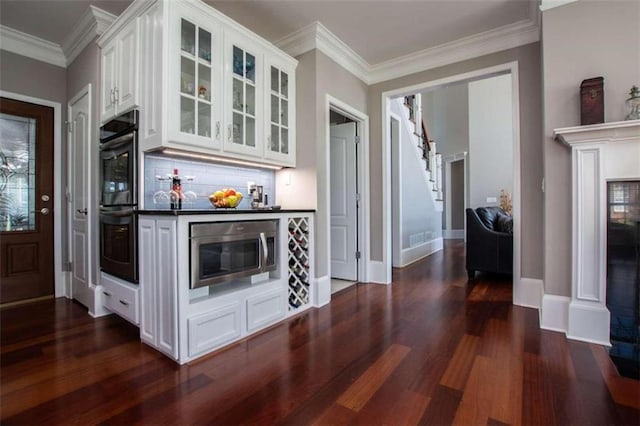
185	323
203	84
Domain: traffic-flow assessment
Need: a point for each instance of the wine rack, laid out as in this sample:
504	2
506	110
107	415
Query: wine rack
299	262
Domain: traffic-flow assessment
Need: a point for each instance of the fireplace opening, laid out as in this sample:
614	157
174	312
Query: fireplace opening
623	274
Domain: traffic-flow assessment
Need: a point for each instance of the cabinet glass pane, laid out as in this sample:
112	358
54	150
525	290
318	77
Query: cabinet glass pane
284	84
204	119
275	139
188	40
250	71
285	141
284	114
204	45
204	82
275	109
187	115
187	76
238	95
250	100
238	61
251	131
238	127
274	79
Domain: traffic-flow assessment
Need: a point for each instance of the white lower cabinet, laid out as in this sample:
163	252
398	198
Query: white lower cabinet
265	309
158	285
120	297
213	329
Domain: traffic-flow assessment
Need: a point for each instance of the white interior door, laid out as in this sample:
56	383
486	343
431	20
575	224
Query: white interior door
344	234
79	140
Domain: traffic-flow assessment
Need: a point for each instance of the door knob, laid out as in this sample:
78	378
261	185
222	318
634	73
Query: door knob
82	211
44	211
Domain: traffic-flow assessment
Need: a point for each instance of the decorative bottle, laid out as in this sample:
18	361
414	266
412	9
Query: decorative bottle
176	191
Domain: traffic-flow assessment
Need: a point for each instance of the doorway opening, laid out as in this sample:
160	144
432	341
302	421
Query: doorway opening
455	196
347	199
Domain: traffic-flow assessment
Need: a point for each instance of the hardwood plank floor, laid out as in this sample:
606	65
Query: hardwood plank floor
430	349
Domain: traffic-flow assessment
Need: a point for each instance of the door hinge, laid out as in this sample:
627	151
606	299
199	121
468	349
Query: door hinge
357	255
357	140
68	123
69	266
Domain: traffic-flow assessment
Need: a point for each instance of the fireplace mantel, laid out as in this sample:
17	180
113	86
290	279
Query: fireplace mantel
599	153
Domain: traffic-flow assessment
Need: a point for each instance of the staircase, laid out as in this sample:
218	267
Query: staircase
426	146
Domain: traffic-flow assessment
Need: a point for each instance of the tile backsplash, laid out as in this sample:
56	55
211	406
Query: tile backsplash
201	179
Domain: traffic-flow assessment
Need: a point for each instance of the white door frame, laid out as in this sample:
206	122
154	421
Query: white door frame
447	232
362	124
396	211
60	276
519	293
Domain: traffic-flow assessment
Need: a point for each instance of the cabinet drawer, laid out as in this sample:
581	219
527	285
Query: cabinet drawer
264	309
120	298
213	329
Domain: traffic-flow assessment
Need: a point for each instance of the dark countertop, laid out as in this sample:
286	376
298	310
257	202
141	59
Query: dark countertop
186	212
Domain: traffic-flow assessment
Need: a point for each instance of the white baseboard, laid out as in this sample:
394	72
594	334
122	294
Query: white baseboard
589	323
413	254
378	273
453	234
322	294
554	313
528	293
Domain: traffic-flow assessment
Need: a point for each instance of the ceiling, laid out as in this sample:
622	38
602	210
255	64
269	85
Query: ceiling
377	30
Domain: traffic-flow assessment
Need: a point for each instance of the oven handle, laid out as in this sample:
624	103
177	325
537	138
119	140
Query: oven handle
114	143
265	249
117	213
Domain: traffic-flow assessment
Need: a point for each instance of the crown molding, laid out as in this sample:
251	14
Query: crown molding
552	4
92	24
485	43
30	46
317	36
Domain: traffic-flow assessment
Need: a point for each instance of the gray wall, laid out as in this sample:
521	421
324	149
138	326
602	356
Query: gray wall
530	91
490	140
580	40
446	115
316	76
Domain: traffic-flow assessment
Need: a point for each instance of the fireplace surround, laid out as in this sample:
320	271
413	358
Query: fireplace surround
599	153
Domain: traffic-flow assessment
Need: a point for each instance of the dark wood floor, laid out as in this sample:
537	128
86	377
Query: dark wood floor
431	349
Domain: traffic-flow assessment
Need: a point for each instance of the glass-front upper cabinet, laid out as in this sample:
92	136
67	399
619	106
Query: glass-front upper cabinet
196	98
243	108
280	114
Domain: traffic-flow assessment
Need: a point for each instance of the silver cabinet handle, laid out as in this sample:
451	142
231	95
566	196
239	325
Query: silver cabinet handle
43	211
116	96
113	96
217	130
124	302
82	211
106	293
229	132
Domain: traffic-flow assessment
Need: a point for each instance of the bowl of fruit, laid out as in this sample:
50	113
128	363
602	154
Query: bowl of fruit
226	198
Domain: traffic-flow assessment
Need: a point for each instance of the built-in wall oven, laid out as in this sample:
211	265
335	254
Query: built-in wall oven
119	197
225	251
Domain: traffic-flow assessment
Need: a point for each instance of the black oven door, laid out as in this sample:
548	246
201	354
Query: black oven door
119	243
118	171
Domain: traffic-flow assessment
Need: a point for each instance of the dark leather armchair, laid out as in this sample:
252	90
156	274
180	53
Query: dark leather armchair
489	242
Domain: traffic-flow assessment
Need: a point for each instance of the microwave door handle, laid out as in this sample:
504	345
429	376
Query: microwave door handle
265	249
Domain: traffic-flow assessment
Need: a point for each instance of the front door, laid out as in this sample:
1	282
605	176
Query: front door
344	213
26	201
79	143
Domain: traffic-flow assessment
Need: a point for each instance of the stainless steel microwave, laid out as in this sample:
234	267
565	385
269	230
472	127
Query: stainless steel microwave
225	251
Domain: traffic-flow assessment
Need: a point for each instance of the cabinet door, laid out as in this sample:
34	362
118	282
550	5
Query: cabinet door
127	68
244	109
148	281
280	114
108	82
166	297
195	94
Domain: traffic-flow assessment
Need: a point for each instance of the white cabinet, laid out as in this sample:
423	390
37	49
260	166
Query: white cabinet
195	83
280	112
158	288
244	93
213	329
120	297
265	309
119	72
